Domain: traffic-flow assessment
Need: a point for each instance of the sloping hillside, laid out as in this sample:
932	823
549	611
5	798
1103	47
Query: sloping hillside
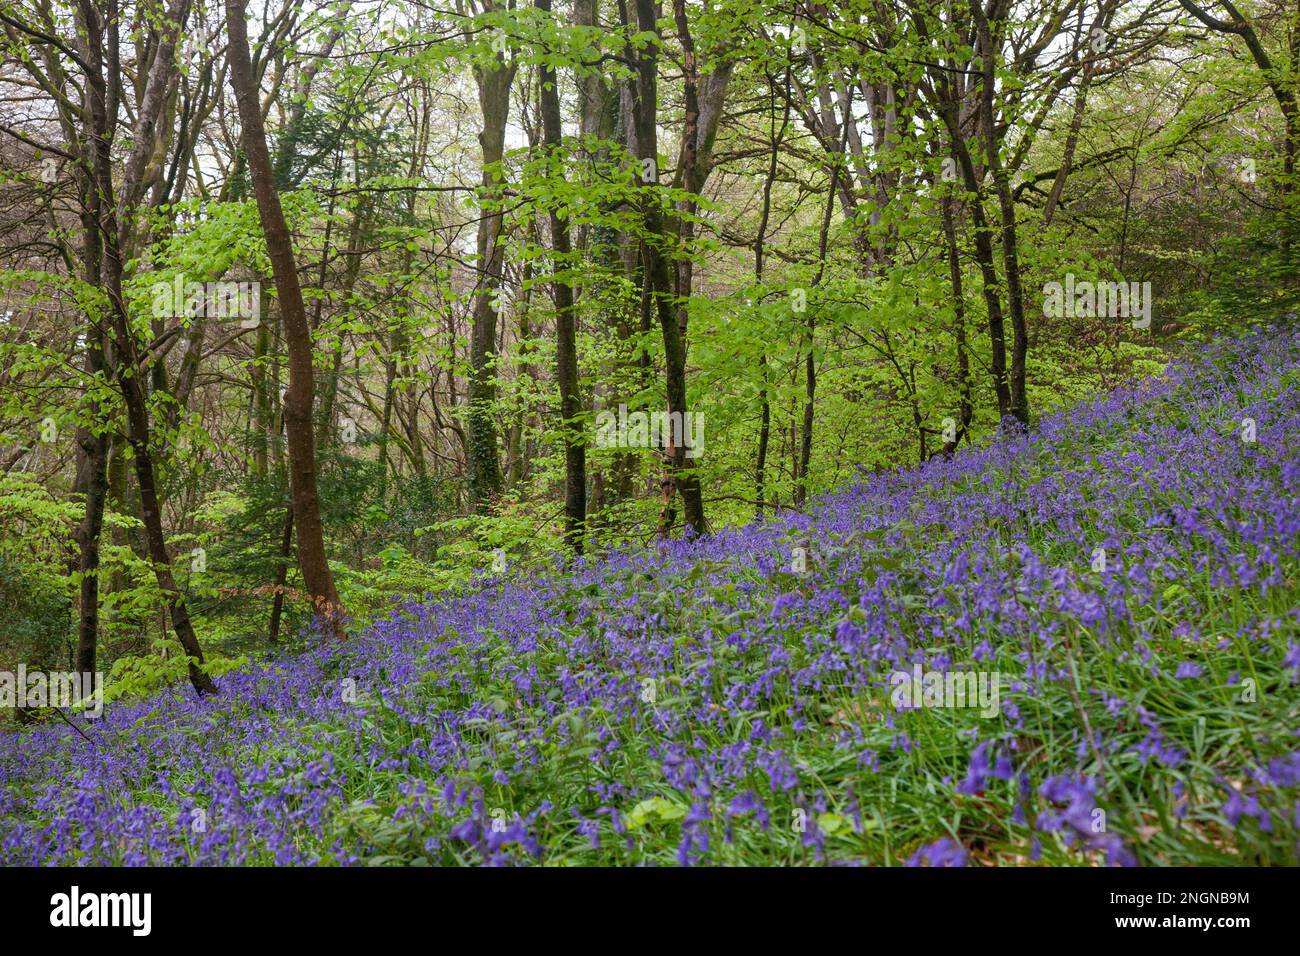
1121	586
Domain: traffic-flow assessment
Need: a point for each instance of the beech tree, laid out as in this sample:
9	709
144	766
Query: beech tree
299	399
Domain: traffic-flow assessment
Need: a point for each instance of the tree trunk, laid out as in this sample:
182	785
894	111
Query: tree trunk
300	395
804	460
92	468
128	367
1019	399
765	405
656	277
484	463
566	354
281	576
965	409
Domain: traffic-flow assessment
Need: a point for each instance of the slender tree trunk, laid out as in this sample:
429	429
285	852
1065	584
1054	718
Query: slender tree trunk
656	276
1007	208
386	419
517	465
764	439
92	470
760	241
92	482
261	410
988	269
566	351
299	397
946	97
484	463
281	576
804	460
965	408
1071	143
351	272
129	369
